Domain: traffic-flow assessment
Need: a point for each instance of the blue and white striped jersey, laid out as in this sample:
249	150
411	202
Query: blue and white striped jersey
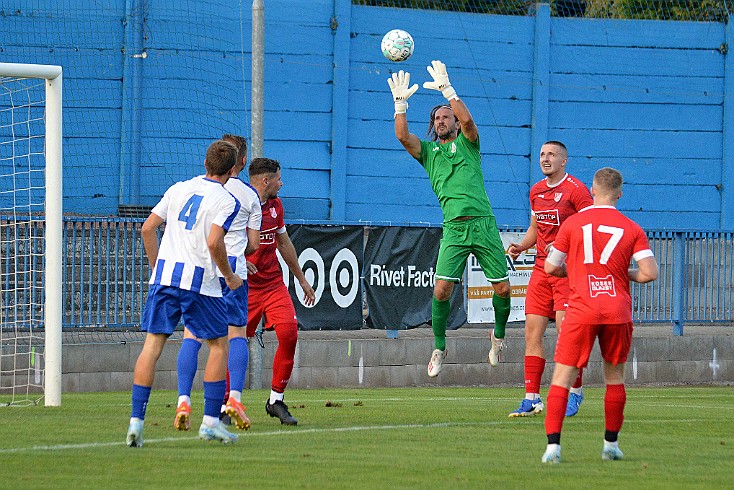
190	208
250	216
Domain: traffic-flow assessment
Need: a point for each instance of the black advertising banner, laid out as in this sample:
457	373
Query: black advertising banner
399	275
330	257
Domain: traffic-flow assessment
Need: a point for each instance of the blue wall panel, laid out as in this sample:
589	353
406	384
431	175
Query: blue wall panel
648	102
653	89
646	97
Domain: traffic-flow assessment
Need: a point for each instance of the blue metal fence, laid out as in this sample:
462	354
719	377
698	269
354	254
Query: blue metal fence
696	282
106	273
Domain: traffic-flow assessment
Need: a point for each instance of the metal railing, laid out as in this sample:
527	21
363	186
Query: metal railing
696	282
106	274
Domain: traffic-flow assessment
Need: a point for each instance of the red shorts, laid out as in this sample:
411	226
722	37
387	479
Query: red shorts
275	305
577	339
546	294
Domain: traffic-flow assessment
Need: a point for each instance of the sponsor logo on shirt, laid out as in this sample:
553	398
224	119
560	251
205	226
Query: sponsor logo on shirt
267	237
601	285
548	217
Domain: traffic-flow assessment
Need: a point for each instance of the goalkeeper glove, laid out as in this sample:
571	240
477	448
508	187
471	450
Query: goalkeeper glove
440	80
400	91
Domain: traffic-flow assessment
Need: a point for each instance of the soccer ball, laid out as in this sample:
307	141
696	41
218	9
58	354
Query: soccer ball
397	45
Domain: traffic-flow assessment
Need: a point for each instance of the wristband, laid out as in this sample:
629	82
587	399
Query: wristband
401	107
449	93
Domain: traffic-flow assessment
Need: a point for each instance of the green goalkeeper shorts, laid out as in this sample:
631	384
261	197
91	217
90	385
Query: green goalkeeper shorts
479	236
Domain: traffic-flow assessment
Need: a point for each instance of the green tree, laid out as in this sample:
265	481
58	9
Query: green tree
699	10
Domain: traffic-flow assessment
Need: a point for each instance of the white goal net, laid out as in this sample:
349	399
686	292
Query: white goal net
30	234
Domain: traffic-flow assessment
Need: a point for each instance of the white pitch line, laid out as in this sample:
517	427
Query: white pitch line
92	445
62	447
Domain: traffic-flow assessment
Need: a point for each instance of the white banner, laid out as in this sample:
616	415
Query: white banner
480	292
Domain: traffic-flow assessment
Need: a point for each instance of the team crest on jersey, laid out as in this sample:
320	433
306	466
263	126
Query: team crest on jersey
557	196
453	147
601	285
273	213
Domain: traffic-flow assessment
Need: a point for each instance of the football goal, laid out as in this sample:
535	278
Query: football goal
30	234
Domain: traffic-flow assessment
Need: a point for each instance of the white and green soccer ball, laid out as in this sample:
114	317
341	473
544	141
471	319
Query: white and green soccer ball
397	45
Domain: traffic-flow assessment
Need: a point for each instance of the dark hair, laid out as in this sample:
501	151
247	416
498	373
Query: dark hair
221	156
608	180
239	142
559	144
263	166
431	130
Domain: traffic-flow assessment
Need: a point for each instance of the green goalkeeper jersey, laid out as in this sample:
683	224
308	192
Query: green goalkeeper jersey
455	172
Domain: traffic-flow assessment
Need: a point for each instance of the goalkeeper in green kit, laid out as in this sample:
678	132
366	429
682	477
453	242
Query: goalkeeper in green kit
453	164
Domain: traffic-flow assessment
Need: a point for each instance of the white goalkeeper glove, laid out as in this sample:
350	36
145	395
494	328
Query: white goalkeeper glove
440	80
399	86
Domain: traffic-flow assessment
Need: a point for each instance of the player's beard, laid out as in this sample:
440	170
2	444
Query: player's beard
445	133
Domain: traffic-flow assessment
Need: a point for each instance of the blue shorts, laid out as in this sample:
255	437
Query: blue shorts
236	303
204	316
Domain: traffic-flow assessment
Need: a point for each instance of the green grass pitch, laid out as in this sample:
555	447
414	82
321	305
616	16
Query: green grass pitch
673	437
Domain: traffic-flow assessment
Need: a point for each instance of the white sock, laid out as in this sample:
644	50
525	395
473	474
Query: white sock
275	396
553	446
578	391
136	419
184	398
210	421
237	395
608	444
532	396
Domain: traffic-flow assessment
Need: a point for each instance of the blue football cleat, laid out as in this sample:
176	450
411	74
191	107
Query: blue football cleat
528	408
574	402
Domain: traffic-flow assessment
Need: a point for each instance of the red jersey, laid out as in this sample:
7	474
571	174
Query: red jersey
268	274
551	205
599	243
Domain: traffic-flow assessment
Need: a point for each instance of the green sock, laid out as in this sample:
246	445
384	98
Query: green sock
501	314
440	314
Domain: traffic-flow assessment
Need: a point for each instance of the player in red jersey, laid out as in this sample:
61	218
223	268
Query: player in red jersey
594	248
268	294
552	200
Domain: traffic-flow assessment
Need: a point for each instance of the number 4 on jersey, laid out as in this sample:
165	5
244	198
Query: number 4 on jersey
189	211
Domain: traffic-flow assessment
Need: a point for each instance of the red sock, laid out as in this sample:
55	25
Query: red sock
615	399
578	383
284	355
555	409
534	367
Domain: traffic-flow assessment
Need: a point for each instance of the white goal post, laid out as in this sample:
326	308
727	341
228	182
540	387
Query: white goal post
52	273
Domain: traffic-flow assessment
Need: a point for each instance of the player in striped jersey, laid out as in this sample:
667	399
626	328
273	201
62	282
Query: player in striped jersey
594	248
242	238
184	284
